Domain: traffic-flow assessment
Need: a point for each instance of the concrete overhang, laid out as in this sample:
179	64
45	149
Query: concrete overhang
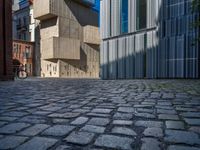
60	48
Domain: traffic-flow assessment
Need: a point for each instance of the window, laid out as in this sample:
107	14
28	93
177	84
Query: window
25	23
30	20
19	36
141	14
124	16
25	36
29	35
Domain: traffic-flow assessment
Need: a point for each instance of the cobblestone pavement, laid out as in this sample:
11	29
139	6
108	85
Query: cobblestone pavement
63	114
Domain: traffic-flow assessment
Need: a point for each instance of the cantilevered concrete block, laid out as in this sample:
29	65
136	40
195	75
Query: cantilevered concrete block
91	35
45	9
60	48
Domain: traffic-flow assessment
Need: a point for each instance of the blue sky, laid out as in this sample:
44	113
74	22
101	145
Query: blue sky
97	5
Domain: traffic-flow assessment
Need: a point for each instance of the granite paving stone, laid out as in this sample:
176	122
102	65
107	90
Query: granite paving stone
126	109
99	121
2	123
184	137
98	110
124	131
9	119
64	147
145	115
195	129
119	116
155	132
33	119
79	121
94	114
34	130
13	128
178	147
81	138
150	144
168	117
116	142
38	143
192	121
149	123
92	128
122	122
10	142
58	130
174	125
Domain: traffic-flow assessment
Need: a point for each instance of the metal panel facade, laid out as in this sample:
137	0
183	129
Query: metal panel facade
161	50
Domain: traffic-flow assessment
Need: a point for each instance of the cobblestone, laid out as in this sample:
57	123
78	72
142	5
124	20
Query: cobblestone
155	132
122	122
168	117
99	121
79	121
150	144
149	123
184	137
13	128
38	143
111	141
177	147
192	121
77	114
58	130
81	138
124	131
11	142
95	129
34	130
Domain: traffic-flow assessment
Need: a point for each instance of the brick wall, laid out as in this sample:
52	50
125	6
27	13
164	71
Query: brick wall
6	70
23	52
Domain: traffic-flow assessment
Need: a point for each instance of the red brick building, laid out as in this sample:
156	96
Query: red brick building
6	70
23	52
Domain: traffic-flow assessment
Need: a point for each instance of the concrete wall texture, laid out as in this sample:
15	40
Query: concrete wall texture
67	29
161	49
6	70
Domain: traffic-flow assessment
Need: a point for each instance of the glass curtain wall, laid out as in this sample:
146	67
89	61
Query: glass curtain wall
141	13
124	16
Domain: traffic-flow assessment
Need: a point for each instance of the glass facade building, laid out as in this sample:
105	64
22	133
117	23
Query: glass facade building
148	39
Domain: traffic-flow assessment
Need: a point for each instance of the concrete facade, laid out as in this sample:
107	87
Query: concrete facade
69	39
6	72
148	39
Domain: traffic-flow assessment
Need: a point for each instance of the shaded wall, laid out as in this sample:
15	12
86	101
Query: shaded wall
6	72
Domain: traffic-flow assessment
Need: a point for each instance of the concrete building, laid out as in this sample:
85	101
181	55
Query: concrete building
148	39
69	38
6	70
23	52
15	5
26	28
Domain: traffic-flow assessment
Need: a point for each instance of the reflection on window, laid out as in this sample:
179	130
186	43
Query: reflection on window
141	14
124	16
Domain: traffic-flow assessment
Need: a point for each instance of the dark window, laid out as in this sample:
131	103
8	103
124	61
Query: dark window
25	23
141	14
124	16
164	28
25	36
